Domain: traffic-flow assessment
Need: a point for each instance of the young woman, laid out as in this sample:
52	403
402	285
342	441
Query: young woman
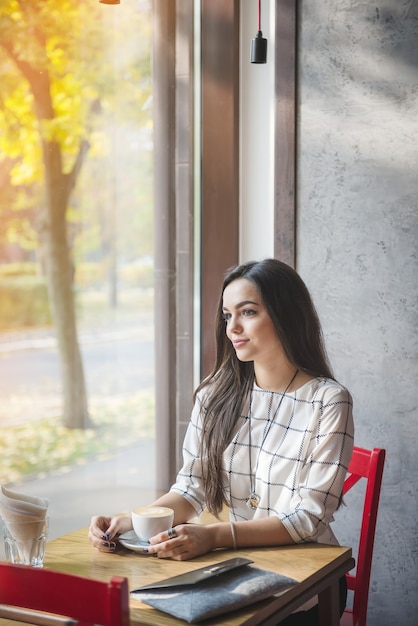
271	432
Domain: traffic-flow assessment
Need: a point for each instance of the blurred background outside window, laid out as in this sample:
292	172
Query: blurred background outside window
76	266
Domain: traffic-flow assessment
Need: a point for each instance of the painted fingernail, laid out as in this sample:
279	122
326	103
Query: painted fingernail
104	537
145	550
105	544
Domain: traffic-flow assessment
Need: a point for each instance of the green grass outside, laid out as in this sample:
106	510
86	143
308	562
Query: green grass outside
24	298
42	446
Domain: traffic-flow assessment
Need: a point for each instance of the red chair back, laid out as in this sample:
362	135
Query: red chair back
366	464
84	600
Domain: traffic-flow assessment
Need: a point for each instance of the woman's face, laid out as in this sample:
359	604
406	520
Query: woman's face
248	325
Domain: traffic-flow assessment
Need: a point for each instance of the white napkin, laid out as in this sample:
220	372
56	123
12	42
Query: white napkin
16	508
19	507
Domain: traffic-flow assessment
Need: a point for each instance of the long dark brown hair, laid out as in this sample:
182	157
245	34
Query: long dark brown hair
291	309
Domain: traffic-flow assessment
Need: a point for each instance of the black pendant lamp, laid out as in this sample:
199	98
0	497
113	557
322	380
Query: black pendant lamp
259	43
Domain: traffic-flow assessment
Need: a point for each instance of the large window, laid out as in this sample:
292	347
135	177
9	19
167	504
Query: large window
76	264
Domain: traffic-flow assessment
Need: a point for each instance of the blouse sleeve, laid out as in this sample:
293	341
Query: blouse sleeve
189	479
322	469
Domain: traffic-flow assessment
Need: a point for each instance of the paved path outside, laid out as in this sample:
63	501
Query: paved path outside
112	485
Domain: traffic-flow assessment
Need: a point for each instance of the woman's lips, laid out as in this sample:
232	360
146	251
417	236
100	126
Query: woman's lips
239	343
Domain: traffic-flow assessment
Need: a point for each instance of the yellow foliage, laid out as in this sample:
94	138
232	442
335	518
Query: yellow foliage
62	84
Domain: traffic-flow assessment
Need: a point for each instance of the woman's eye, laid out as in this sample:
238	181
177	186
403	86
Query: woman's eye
226	316
248	312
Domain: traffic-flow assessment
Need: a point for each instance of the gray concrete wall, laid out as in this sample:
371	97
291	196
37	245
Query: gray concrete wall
357	251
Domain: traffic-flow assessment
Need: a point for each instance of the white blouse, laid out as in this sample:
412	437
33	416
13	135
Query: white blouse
291	449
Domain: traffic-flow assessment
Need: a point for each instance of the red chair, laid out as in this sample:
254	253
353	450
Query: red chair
366	464
83	600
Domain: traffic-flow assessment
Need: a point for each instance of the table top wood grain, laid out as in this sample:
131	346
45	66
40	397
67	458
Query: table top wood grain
310	564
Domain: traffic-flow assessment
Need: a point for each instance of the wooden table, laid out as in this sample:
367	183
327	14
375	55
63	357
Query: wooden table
317	567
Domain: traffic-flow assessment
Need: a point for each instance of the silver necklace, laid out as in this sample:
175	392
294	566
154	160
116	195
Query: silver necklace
253	499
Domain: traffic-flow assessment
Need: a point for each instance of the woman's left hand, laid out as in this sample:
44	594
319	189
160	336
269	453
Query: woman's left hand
182	542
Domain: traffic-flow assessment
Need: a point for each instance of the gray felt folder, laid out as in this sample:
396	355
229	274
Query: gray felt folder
213	590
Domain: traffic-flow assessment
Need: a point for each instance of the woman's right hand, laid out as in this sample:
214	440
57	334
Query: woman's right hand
104	531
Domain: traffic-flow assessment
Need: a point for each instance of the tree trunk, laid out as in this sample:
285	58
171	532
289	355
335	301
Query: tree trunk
60	272
60	287
59	268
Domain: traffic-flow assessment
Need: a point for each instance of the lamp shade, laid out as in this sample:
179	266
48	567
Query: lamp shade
259	49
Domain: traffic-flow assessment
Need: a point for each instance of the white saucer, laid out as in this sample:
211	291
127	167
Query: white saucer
131	541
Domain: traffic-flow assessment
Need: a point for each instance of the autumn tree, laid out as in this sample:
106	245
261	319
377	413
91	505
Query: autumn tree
54	85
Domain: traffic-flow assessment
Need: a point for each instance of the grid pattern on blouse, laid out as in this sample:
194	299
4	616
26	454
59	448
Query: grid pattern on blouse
300	448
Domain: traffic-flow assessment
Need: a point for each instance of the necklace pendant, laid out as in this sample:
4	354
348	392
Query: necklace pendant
253	501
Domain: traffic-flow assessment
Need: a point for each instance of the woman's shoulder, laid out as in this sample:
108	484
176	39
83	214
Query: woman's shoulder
203	390
203	393
323	389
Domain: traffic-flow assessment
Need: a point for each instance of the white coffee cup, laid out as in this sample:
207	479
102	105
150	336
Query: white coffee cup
151	520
